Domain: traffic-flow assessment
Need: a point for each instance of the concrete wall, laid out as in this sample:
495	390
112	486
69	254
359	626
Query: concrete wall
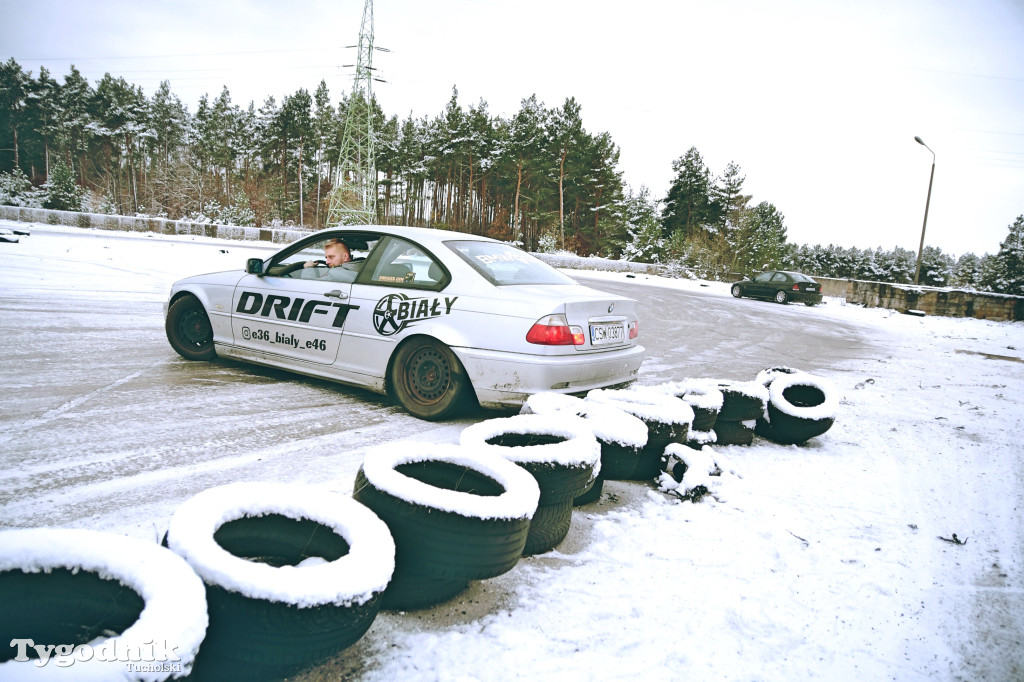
930	300
159	225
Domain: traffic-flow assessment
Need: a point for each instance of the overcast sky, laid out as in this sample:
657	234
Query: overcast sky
818	102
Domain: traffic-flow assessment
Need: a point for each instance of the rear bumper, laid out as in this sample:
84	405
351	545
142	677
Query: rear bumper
508	379
804	297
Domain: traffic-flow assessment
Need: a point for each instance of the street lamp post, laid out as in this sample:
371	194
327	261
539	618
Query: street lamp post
920	249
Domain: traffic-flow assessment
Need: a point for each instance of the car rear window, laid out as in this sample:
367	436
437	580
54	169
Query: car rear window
502	264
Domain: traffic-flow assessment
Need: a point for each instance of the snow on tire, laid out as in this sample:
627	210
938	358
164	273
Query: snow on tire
73	587
621	436
800	407
293	574
702	395
742	400
455	515
667	418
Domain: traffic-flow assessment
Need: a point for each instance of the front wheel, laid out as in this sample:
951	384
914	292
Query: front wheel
780	297
188	329
737	290
428	380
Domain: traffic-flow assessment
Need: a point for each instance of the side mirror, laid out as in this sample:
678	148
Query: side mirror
254	266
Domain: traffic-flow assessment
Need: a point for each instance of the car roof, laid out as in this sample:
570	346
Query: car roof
419	234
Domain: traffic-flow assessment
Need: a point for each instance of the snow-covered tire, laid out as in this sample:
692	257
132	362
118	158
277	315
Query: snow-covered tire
800	407
621	436
702	395
667	418
591	494
453	513
70	587
734	432
766	376
560	451
271	614
550	526
742	400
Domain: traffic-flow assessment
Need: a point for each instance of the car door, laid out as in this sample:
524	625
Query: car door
398	291
761	285
285	319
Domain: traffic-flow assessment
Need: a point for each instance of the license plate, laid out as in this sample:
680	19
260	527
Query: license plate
607	333
812	288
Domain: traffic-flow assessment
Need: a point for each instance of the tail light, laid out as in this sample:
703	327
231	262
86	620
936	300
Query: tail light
634	329
554	330
796	287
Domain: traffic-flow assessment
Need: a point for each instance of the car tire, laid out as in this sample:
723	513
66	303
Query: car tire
781	297
270	613
737	291
550	526
453	514
73	586
428	380
188	329
800	407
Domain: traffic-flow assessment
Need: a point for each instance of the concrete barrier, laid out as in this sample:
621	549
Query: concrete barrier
930	300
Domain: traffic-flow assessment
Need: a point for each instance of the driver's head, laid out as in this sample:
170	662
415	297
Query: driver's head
336	253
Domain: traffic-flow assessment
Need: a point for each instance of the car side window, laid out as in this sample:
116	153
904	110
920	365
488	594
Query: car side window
780	277
763	277
404	264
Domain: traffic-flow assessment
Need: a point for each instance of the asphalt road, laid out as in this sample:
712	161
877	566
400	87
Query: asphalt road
100	421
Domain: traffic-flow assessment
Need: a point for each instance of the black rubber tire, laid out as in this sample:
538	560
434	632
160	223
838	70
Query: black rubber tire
618	462
409	591
789	429
443	544
428	380
558	482
781	297
737	291
733	433
188	329
64	605
259	639
73	587
704	418
549	527
740	405
591	494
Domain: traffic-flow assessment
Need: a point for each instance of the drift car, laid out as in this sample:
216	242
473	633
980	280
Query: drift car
433	318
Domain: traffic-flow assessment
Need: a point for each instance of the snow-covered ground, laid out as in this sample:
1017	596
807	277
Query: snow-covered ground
829	560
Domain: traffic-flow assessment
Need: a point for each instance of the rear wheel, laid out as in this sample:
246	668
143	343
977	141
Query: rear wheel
428	380
737	290
188	329
781	297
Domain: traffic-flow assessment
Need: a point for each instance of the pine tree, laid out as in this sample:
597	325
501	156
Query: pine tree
62	193
1005	274
689	204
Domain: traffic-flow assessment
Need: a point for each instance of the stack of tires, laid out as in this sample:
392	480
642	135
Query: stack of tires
668	420
455	516
621	436
705	399
559	451
743	403
800	405
293	575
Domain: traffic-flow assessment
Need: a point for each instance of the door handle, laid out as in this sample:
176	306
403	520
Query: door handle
335	293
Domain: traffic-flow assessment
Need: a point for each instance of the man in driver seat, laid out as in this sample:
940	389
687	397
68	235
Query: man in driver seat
335	253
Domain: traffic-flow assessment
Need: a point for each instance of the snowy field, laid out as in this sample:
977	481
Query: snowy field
832	560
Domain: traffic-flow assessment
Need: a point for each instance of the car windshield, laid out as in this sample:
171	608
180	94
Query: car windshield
502	264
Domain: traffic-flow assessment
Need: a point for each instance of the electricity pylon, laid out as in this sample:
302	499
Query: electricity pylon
354	197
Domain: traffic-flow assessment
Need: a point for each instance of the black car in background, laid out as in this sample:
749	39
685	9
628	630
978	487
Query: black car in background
780	286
